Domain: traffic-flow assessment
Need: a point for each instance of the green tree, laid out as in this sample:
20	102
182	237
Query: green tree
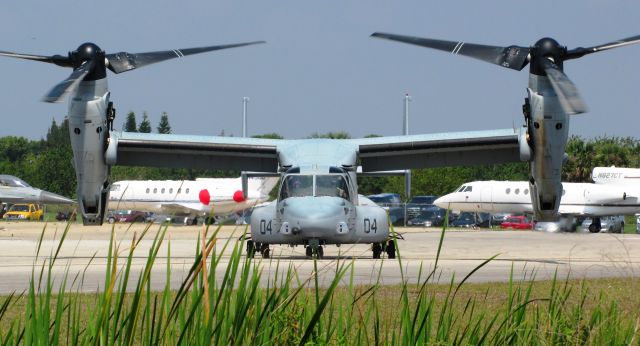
163	126
145	124
130	123
272	135
332	135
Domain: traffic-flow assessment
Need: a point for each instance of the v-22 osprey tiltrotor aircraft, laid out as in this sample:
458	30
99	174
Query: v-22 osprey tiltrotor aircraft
317	203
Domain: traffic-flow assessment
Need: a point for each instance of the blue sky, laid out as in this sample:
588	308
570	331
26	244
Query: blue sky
319	70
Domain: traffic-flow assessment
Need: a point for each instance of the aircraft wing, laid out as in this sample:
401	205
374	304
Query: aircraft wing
438	150
182	151
180	208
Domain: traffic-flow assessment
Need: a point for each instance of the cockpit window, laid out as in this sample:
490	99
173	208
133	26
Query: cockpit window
461	188
115	187
332	185
297	186
468	189
12	182
326	185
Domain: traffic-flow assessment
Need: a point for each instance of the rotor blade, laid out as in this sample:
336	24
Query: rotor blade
123	61
54	59
578	52
567	92
513	57
58	92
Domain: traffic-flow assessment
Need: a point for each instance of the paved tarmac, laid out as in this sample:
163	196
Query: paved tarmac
85	249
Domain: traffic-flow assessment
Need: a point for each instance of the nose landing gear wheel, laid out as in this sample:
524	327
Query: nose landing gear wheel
317	252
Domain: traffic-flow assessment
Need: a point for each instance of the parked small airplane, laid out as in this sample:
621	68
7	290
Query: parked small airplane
190	198
584	199
15	190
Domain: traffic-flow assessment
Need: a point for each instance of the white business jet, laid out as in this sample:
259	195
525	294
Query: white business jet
190	198
613	194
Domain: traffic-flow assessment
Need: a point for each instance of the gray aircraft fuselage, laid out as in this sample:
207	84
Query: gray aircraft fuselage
14	190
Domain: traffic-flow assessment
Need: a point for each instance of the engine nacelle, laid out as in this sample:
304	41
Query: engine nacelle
372	224
88	128
548	134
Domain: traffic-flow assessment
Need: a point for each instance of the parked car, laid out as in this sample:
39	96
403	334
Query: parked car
428	218
418	204
24	212
565	224
465	219
517	222
499	218
126	216
610	224
392	203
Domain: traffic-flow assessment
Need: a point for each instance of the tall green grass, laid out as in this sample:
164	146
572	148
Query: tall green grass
243	307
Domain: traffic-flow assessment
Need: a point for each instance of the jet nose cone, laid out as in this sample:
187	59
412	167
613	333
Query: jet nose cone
442	202
47	197
314	208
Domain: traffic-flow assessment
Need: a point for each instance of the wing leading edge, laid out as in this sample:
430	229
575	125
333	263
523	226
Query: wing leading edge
202	152
439	150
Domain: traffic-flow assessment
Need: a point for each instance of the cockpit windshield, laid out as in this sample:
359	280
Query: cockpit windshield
297	185
327	185
7	180
331	185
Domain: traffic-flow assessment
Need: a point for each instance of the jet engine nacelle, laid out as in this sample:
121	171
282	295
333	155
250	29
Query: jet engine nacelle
604	194
89	131
548	133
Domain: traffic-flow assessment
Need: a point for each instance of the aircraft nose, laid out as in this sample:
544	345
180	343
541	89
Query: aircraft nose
313	208
443	201
52	198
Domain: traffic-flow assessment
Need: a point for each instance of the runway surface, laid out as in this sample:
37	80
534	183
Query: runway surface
85	251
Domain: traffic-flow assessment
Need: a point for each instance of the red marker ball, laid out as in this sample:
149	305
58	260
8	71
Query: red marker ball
205	198
238	196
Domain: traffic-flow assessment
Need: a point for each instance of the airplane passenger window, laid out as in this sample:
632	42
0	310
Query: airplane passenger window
155	190
332	186
526	191
508	191
468	189
179	190
148	190
517	191
297	186
187	191
162	191
563	192
171	190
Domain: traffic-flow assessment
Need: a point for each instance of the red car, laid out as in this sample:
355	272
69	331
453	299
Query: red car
517	222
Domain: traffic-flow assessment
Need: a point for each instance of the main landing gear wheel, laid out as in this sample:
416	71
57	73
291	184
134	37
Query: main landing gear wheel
595	225
391	249
265	251
377	250
251	250
308	251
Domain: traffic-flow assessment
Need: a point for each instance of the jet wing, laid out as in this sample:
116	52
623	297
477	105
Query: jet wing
438	150
180	208
182	151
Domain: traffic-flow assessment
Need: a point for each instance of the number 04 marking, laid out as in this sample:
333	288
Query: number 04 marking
370	226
